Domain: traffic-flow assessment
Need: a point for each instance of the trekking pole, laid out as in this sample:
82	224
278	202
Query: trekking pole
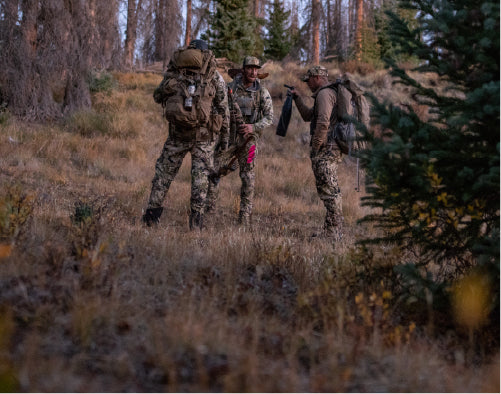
358	177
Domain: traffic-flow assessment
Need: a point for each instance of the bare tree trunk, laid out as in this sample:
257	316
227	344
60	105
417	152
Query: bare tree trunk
358	34
351	22
79	57
200	16
104	19
29	25
257	12
329	29
315	24
131	31
47	55
341	36
159	32
187	37
30	94
9	22
167	29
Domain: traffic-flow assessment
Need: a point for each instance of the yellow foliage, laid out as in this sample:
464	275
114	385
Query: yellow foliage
5	250
471	300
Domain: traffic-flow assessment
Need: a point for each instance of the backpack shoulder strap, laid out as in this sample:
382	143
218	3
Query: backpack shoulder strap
209	65
332	86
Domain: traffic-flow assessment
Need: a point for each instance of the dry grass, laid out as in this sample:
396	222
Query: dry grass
90	300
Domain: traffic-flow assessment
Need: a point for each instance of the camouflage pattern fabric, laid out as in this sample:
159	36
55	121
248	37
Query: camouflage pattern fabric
325	164
255	104
325	155
201	146
248	178
168	164
257	109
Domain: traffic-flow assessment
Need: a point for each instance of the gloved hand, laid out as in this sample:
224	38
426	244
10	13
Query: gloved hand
319	139
292	92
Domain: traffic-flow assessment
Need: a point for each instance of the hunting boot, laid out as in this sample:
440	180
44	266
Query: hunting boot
196	220
152	216
333	225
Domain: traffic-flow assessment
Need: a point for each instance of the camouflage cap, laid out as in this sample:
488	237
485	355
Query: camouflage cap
313	71
251	61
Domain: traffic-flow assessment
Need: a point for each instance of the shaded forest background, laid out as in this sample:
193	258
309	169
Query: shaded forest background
51	48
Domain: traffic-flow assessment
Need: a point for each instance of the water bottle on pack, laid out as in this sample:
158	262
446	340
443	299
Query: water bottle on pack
188	101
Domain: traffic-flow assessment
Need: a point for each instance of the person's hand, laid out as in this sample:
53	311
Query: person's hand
292	92
245	129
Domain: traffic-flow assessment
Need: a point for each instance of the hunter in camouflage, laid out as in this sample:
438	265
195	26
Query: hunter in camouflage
200	142
325	154
256	107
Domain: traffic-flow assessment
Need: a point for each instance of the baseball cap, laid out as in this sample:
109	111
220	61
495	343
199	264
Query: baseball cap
315	70
251	61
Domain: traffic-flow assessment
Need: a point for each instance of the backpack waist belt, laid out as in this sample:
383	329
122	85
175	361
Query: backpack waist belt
195	134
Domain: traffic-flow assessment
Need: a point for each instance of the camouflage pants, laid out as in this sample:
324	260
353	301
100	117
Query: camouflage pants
248	178
324	164
168	164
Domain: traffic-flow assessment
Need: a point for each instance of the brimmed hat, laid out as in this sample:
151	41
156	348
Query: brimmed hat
251	61
313	71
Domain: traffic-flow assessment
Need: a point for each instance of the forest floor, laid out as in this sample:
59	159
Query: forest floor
91	300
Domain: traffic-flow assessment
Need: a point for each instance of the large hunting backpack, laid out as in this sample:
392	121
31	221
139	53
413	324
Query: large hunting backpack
187	91
351	105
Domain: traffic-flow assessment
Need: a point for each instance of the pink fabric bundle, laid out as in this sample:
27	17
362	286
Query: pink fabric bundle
252	154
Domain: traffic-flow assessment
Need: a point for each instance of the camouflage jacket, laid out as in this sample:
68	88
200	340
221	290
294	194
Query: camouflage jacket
255	104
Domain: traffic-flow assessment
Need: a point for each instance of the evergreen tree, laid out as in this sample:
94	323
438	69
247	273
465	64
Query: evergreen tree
382	30
435	181
370	46
278	42
233	31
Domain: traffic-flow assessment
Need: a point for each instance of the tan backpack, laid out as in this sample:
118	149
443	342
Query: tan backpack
351	104
187	91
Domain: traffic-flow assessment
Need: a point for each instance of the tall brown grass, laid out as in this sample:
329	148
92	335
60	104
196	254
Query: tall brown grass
91	300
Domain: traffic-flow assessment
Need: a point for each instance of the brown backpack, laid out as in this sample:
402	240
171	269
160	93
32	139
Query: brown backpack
187	91
351	104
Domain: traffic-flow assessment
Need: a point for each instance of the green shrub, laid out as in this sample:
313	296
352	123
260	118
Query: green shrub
101	82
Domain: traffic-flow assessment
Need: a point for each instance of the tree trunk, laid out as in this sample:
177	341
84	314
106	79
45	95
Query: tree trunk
187	37
78	58
159	31
358	34
29	25
9	22
257	12
330	27
315	23
167	26
351	22
131	32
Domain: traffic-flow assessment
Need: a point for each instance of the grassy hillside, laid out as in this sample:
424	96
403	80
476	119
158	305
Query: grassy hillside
91	300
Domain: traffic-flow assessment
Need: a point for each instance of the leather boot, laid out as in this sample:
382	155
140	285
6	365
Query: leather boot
152	216
196	220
